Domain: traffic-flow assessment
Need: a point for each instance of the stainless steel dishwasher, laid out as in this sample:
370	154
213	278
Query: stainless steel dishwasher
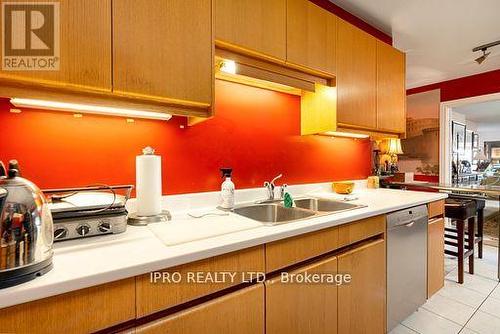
406	263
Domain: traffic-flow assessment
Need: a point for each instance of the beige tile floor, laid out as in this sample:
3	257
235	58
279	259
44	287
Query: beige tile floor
469	308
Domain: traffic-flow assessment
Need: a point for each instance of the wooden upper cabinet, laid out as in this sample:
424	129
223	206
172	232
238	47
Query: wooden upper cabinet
391	89
311	36
356	77
254	25
84	47
163	48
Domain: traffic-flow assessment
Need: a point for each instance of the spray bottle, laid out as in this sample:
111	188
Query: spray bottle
227	189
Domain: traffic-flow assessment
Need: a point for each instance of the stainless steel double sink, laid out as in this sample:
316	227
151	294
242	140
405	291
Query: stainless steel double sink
275	213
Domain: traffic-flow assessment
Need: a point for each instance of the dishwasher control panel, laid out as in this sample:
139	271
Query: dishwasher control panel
406	216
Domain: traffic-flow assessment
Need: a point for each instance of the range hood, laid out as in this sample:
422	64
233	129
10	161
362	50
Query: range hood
316	89
279	76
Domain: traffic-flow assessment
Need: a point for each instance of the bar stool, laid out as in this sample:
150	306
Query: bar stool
480	205
462	212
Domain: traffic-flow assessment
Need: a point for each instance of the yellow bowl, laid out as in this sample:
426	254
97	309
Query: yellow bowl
343	187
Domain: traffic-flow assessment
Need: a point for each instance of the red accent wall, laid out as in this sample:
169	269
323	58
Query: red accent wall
427	178
255	131
354	20
474	85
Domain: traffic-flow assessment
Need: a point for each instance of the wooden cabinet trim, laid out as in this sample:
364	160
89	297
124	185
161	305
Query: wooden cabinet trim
152	298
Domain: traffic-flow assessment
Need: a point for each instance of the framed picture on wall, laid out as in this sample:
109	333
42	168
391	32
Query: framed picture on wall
468	140
475	140
458	140
468	145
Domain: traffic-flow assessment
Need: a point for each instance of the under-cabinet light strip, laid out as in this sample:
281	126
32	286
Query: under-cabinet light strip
345	134
87	108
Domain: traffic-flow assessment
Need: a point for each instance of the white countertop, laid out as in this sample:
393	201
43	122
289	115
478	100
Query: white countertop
88	262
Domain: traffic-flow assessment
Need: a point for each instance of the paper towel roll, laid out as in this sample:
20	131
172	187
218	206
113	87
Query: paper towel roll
148	183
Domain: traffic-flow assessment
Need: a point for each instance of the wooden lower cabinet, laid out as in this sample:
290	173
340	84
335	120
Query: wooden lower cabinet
302	307
83	311
362	303
154	297
436	209
239	312
276	306
290	251
435	256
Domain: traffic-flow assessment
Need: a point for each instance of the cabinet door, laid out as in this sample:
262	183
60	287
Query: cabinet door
362	303
163	48
255	25
311	36
303	307
391	89
356	77
153	298
435	256
84	46
239	312
83	311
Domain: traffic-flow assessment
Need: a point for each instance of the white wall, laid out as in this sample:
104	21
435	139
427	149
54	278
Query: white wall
488	132
461	118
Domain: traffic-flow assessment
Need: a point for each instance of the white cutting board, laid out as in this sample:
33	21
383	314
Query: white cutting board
185	230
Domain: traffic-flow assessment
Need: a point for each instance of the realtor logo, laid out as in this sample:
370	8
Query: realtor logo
30	36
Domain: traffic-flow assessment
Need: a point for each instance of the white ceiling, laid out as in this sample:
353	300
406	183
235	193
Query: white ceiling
484	114
437	35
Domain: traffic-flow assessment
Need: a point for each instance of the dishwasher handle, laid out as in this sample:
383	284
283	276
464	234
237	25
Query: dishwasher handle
410	224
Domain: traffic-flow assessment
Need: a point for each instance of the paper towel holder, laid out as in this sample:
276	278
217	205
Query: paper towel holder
135	220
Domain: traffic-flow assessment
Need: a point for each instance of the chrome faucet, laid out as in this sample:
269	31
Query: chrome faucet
270	188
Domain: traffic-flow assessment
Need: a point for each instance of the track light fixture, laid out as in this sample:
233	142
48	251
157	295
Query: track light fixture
484	48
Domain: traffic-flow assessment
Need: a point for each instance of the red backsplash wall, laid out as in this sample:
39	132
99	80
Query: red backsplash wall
255	132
